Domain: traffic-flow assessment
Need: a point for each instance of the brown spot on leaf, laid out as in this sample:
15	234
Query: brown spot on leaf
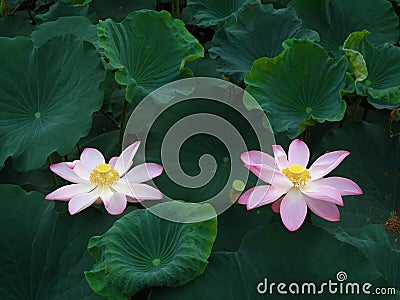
393	224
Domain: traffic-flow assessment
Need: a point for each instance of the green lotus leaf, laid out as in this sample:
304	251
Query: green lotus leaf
382	83
119	9
373	164
373	240
43	253
78	3
41	180
276	3
237	221
142	250
356	59
18	24
299	87
204	67
274	254
63	9
334	20
259	31
79	26
76	25
149	49
216	172
45	92
12	4
214	13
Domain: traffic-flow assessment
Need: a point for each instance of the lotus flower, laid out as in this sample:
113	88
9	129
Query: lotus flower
293	187
113	184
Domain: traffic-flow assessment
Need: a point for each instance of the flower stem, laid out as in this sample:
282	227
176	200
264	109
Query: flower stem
354	114
175	9
110	118
79	149
307	134
122	125
55	181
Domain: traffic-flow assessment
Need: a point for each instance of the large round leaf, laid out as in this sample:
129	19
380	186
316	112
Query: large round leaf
334	20
276	3
149	49
76	25
119	9
79	26
375	243
374	165
201	143
63	9
78	3
299	87
274	254
45	92
142	250
18	24
41	180
237	221
258	31
43	253
214	13
204	67
382	83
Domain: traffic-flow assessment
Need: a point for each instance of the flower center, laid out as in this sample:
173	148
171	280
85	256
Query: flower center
297	174
104	175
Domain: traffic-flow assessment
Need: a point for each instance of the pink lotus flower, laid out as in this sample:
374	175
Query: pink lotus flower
293	187
113	184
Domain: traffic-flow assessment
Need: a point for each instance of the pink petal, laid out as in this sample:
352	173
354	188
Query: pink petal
81	170
138	191
132	200
264	172
345	186
106	196
117	204
273	192
281	181
293	209
270	175
326	163
125	160
82	201
298	153
264	194
260	195
72	164
144	172
276	206
280	157
325	210
112	161
257	158
69	191
91	158
322	192
64	171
